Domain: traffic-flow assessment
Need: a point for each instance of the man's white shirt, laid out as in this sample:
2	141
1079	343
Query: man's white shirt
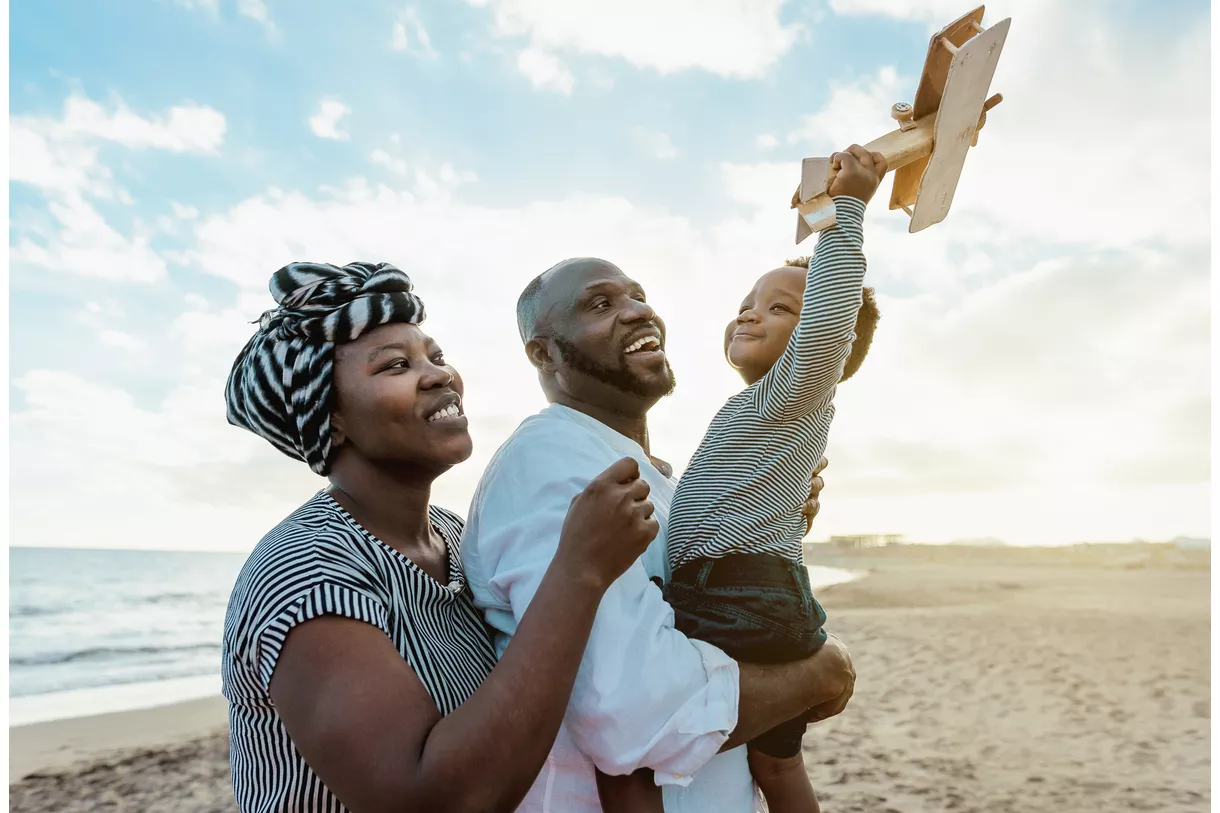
645	695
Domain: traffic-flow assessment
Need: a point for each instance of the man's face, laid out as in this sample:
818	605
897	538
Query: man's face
608	341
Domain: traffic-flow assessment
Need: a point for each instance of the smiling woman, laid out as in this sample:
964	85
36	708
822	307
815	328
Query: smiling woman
358	672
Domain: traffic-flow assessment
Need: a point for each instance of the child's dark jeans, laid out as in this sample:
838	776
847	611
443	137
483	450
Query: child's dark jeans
757	608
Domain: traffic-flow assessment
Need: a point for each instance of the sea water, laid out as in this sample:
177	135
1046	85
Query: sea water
96	631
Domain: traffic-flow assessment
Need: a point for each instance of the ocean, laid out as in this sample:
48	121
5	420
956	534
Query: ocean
96	631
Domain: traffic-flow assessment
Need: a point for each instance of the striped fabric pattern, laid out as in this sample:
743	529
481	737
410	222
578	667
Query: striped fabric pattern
320	561
745	485
280	384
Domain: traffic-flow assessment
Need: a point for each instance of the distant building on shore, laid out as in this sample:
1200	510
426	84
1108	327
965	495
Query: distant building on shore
865	540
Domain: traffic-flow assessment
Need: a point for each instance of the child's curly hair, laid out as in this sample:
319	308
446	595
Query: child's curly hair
866	325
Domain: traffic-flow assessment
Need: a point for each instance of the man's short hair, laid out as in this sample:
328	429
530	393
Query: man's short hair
866	325
527	308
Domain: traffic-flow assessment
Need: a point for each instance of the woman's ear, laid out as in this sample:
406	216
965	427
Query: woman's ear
337	433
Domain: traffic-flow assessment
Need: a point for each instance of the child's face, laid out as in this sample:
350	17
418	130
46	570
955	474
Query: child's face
755	340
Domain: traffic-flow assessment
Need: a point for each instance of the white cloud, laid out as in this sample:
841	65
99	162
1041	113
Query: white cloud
212	6
658	145
325	123
163	457
383	158
601	79
1039	377
186	128
59	157
411	36
856	112
941	12
183	212
86	244
1063	183
121	341
1044	386
257	10
764	186
724	37
767	141
545	71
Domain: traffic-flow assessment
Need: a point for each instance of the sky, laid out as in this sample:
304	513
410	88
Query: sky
1040	374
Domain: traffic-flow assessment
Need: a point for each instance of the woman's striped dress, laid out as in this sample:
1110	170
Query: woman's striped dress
320	561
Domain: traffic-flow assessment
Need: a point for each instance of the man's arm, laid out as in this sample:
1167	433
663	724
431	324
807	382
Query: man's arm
773	693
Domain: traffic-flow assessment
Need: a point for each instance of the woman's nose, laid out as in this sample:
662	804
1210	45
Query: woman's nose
435	376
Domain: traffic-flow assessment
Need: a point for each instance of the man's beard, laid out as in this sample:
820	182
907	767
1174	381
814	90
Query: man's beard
621	377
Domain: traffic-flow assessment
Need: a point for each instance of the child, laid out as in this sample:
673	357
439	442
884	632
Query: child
737	579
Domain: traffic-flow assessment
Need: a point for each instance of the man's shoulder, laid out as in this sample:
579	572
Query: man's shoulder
550	437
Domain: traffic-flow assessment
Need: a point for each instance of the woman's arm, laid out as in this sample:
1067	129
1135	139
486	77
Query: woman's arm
365	724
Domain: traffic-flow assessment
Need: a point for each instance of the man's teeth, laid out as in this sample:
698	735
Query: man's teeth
450	411
647	341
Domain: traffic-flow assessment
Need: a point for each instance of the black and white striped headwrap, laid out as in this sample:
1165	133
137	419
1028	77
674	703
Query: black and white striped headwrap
280	387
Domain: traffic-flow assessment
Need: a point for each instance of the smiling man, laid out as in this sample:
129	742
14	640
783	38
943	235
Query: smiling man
646	696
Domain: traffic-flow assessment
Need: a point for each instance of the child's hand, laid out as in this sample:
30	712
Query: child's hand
859	173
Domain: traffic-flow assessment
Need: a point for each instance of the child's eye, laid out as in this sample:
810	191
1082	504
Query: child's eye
780	308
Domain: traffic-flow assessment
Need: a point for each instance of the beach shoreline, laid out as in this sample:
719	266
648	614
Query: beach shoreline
989	680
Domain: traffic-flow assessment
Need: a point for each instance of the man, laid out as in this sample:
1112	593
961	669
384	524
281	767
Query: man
645	695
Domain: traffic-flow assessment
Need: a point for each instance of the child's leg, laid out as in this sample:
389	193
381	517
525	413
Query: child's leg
629	794
784	782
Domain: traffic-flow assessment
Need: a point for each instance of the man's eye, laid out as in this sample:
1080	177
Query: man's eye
398	364
601	304
439	359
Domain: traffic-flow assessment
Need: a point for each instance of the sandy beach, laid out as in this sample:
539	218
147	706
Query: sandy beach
990	679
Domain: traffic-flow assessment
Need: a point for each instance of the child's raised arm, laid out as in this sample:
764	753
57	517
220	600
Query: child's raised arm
804	378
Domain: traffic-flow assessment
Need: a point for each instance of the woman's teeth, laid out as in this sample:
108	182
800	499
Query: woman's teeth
450	411
647	341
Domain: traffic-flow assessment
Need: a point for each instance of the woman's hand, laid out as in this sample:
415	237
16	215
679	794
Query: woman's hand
811	507
609	525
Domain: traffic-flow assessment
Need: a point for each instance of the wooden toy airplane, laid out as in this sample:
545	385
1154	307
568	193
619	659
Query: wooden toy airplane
928	150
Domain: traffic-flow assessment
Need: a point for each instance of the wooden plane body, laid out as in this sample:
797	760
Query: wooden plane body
928	150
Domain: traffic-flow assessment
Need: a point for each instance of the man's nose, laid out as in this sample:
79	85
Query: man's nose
639	311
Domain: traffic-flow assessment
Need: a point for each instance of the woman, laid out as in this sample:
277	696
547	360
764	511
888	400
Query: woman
358	672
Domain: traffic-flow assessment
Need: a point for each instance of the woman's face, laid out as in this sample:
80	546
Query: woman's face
398	402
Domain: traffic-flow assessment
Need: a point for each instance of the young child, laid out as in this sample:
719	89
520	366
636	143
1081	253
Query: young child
737	579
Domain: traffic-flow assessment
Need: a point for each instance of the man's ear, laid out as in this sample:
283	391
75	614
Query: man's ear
538	351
